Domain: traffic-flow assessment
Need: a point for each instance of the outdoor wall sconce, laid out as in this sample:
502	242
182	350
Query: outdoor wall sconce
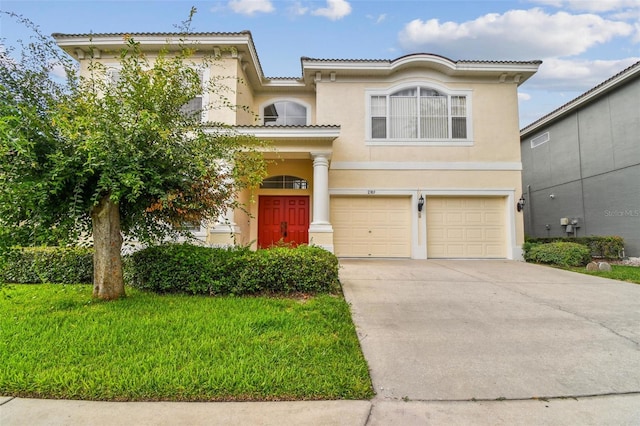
520	204
420	203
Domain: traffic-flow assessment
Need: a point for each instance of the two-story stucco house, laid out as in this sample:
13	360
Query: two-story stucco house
416	157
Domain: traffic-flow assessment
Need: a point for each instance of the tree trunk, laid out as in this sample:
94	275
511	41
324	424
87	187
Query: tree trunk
108	283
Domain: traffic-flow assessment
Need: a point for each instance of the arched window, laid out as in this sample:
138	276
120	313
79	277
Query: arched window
285	113
419	113
284	182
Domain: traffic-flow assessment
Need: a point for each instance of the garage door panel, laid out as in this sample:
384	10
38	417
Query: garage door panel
475	234
371	226
494	234
495	218
466	227
454	234
473	218
454	250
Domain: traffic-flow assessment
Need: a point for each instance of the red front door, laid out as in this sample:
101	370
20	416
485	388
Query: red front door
283	219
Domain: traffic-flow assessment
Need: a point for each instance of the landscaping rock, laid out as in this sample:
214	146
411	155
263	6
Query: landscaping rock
592	266
604	266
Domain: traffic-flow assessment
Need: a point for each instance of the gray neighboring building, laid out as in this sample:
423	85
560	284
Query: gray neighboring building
581	165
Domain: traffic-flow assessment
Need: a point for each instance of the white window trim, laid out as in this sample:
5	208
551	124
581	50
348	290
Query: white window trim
205	95
418	142
294	100
206	75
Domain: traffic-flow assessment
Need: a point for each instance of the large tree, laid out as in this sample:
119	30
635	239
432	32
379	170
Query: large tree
99	158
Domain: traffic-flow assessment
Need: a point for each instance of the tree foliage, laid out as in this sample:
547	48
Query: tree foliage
69	149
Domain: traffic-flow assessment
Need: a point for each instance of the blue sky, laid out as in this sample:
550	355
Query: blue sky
581	42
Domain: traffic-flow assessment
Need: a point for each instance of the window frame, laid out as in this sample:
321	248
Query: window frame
204	95
296	182
306	105
115	68
449	93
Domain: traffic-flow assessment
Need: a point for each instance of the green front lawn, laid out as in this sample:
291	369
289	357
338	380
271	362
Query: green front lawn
618	272
57	342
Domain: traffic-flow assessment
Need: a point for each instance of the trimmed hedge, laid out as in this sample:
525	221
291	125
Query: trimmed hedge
559	253
186	268
182	268
606	247
305	269
34	265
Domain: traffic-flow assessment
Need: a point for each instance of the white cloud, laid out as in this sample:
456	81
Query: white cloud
297	9
57	70
524	96
251	7
577	75
591	5
377	19
336	9
516	34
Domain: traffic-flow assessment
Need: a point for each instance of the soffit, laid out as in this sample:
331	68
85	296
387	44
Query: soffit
503	71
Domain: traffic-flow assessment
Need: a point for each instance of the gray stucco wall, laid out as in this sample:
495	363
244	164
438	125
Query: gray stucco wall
589	169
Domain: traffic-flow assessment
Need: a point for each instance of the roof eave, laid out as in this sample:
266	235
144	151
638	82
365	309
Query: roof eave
589	96
524	70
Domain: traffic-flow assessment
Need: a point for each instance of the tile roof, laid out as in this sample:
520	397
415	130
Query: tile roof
390	61
310	126
151	34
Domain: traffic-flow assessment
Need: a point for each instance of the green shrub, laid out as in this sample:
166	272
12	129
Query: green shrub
33	265
304	269
607	247
559	253
185	268
182	268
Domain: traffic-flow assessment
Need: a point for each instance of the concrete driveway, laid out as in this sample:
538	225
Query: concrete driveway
457	331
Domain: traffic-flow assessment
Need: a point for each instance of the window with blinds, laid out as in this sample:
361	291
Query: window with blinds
418	113
196	105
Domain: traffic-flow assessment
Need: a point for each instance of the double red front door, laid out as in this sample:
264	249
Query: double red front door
283	219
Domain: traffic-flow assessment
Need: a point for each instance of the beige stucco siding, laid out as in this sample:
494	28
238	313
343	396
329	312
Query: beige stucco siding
494	115
436	179
246	115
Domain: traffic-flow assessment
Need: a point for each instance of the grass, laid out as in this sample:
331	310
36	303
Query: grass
58	342
618	272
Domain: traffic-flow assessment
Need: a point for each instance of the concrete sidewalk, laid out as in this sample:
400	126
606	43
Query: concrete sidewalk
447	342
602	410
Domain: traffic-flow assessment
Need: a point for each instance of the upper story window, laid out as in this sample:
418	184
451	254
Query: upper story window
419	114
195	105
285	113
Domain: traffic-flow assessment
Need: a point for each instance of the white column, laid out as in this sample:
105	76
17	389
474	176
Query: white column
229	221
320	220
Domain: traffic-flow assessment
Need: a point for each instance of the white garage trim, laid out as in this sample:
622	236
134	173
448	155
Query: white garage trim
466	227
419	224
372	226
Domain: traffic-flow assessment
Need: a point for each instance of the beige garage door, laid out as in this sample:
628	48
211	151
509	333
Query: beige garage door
466	227
371	226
